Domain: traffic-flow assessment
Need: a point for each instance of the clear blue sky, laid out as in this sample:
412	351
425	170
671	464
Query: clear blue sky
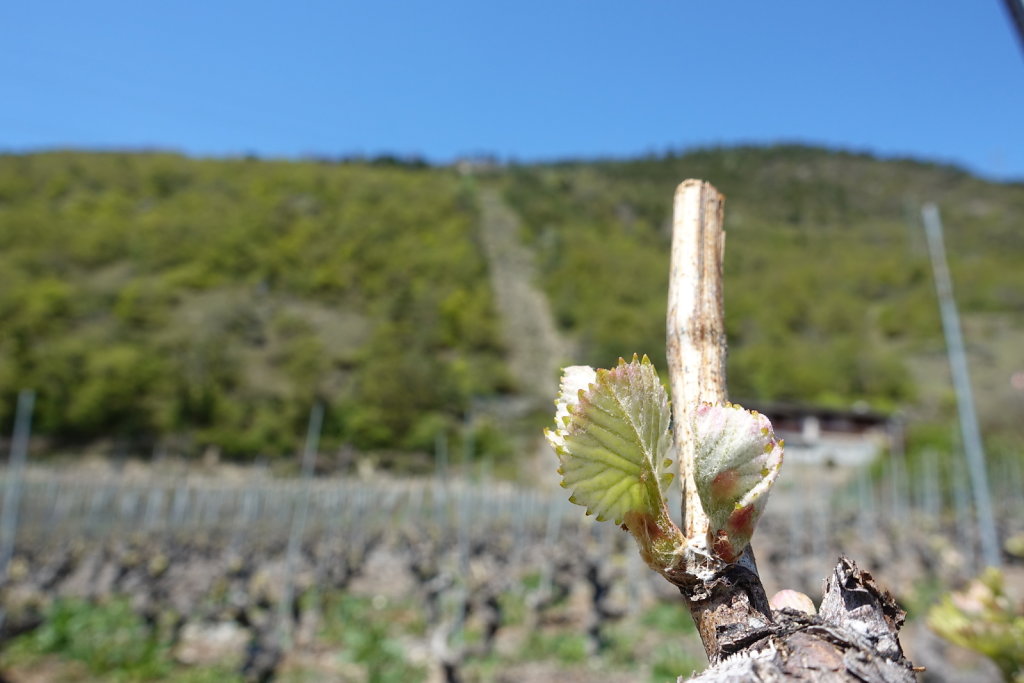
941	80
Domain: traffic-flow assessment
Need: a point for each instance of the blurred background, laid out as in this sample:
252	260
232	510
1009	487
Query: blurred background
285	291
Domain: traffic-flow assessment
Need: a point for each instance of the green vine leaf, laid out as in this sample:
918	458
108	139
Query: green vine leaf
736	462
614	445
613	442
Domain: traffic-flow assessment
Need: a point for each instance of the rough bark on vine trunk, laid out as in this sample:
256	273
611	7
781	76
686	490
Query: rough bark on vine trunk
855	636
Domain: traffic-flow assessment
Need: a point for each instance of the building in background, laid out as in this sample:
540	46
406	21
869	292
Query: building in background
831	437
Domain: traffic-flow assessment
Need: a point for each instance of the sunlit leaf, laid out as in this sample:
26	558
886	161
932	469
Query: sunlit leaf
612	438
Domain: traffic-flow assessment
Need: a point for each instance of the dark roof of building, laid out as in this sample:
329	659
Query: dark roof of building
857	415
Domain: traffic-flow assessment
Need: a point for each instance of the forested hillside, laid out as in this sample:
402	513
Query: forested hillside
155	298
211	301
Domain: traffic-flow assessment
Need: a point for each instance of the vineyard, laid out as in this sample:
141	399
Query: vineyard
252	577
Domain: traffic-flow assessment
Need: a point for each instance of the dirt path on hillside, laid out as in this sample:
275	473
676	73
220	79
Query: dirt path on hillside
536	349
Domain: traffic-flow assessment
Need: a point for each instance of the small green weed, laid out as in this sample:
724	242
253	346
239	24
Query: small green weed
365	632
669	617
567	648
110	639
670	662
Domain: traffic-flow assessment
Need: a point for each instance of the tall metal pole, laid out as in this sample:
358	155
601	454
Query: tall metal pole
973	448
298	530
12	490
